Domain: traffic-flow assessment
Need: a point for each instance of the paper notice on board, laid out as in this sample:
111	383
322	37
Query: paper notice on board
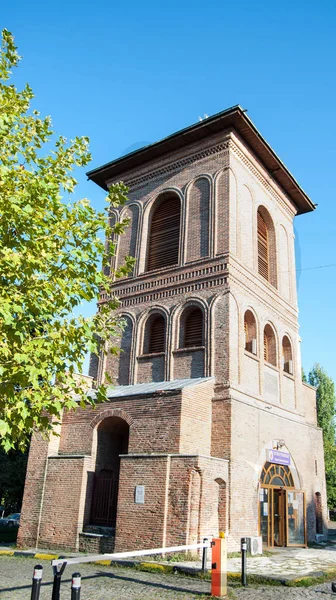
265	509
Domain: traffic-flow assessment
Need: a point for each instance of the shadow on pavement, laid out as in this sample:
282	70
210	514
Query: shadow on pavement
156	585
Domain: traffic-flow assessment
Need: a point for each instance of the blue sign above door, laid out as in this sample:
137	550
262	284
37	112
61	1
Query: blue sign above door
278	458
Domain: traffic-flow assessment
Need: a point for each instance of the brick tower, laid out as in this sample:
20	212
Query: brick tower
209	426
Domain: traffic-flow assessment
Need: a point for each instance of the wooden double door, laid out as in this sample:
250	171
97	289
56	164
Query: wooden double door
282	516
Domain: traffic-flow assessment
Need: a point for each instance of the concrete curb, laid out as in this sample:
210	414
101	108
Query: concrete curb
29	554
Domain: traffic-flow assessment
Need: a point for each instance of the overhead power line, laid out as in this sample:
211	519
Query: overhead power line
318	267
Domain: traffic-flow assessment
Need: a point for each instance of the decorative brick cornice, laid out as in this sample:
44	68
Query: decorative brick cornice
176	291
170	285
164	281
270	188
170	167
230	144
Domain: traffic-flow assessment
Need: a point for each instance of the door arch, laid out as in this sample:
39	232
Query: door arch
282	508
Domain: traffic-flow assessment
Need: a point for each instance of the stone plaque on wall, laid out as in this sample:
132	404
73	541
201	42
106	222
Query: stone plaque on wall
139	494
271	385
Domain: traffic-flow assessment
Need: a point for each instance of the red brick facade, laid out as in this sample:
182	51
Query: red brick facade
197	448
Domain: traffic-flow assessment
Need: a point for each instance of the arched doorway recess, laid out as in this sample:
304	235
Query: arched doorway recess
112	440
282	508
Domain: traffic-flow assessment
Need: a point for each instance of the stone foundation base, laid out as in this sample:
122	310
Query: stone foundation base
96	543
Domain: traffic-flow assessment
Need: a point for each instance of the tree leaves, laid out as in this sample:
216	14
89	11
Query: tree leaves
325	404
51	253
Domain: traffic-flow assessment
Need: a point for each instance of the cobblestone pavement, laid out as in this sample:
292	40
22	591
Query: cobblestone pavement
106	583
287	562
98	582
322	592
295	562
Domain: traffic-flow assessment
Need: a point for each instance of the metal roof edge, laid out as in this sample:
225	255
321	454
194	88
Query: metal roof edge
235	118
171	136
139	389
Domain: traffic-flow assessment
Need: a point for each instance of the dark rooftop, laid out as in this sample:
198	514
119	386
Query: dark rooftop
153	387
234	118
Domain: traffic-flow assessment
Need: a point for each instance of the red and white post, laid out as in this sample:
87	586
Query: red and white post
219	566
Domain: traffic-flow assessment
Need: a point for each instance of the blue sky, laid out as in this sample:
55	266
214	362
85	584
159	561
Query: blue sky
131	73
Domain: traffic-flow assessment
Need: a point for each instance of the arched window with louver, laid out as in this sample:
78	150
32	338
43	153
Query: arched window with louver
267	266
250	332
270	353
155	334
263	251
164	237
192	328
189	359
287	357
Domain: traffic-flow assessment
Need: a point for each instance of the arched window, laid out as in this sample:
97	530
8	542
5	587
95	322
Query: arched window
164	237
266	246
155	334
279	475
269	346
124	366
287	357
263	254
193	328
250	332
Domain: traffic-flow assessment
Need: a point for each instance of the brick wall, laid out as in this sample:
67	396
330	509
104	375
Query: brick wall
255	428
190	362
60	522
33	493
155	424
140	526
196	409
181	500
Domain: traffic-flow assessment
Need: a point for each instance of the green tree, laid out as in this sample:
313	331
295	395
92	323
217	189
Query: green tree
51	252
325	404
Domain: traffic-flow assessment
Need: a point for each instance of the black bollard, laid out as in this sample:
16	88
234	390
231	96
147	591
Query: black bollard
76	586
204	557
243	547
57	582
36	585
